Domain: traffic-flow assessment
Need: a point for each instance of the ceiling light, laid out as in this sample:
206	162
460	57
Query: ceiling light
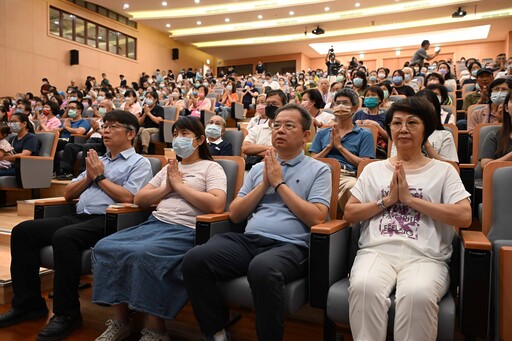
167	25
56	22
100	38
126	6
358	4
397	52
260	16
361	55
226	20
292	12
199	22
197	1
459	13
164	3
327	9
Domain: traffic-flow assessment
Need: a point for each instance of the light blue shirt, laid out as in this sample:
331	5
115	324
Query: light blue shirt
127	169
359	142
308	178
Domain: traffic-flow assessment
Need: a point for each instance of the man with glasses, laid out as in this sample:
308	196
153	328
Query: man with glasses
281	199
259	138
95	141
114	177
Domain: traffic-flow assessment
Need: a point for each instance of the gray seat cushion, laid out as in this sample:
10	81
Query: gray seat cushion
338	311
8	182
46	255
237	292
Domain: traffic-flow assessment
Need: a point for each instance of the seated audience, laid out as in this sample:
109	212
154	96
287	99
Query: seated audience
281	199
312	102
139	268
198	101
230	95
48	120
498	144
259	117
484	78
399	88
150	119
131	104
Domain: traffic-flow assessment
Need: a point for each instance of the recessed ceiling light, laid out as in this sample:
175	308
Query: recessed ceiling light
164	3
226	20
100	38
56	22
327	9
197	1
126	6
358	4
260	16
199	22
167	25
292	12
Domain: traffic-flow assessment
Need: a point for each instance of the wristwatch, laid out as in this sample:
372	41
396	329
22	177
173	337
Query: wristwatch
380	203
99	178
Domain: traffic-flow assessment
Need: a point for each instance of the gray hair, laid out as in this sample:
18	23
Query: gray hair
351	94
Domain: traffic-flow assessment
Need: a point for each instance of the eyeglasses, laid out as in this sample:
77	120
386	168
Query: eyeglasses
288	125
410	125
345	103
217	123
116	127
74	108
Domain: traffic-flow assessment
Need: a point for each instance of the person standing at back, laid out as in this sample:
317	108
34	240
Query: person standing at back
421	54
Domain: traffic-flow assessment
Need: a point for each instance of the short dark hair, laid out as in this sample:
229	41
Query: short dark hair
205	88
5	129
499	81
430	96
346	92
425	42
279	93
305	117
79	105
153	94
362	75
125	118
54	107
131	93
442	89
194	125
415	106
435	75
24	119
315	96
377	90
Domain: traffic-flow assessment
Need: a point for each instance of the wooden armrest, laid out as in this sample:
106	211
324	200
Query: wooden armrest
127	208
213	217
329	227
467	165
30	157
475	240
54	202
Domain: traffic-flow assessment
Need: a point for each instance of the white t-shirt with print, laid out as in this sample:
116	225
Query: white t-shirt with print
203	176
400	226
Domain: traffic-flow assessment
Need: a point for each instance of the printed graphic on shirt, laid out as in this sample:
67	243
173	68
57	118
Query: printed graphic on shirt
401	219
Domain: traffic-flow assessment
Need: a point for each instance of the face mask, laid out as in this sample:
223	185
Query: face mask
18	111
372	78
386	93
197	85
305	105
205	84
260	107
100	98
229	88
443	71
498	97
358	82
339	79
423	70
194	93
381	75
72	113
213	131
342	112
72	99
15	127
397	80
183	146
407	77
270	111
86	105
440	99
46	112
102	111
39	108
416	69
249	84
371	102
474	72
129	100
149	102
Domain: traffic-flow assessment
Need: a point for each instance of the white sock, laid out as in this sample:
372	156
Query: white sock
220	336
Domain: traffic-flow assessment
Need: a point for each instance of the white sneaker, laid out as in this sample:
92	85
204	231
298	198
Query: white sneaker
153	335
116	331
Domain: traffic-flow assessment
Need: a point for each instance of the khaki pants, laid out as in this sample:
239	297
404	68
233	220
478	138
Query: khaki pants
145	136
347	181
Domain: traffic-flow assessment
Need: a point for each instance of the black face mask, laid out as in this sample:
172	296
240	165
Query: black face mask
270	111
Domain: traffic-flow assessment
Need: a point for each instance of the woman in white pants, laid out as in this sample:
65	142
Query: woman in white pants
408	205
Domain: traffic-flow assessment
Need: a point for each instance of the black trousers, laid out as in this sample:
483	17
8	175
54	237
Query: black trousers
268	264
71	150
69	236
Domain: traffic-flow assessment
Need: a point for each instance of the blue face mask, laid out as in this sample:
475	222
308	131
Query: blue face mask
397	80
18	111
386	94
72	113
371	102
149	102
213	131
183	146
373	78
71	99
358	82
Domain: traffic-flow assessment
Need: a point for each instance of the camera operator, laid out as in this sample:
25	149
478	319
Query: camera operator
333	65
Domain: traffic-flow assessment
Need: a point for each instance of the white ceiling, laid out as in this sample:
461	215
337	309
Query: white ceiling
279	33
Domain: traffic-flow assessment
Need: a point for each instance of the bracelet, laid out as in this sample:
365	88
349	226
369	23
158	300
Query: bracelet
380	203
279	184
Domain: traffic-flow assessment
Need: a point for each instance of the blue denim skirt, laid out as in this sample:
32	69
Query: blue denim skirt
141	266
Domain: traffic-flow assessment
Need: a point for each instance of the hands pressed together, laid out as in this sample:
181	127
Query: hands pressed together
272	169
174	179
93	165
398	188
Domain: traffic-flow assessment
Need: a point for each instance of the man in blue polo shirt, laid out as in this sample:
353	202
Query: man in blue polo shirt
344	142
281	198
114	177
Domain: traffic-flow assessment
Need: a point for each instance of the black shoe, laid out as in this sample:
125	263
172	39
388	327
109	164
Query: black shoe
59	327
14	316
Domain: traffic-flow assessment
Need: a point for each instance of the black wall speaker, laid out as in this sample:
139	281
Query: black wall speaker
175	54
73	57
